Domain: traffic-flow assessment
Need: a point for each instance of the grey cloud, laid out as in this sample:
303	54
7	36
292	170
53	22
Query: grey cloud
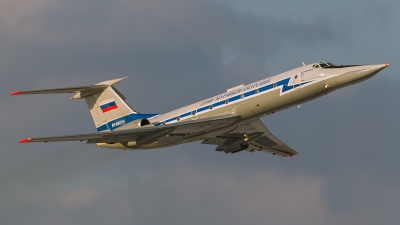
349	195
200	194
188	195
155	40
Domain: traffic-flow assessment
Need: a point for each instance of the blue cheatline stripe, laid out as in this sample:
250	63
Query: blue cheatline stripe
285	87
114	124
108	105
102	128
250	93
265	88
283	82
170	120
237	97
158	123
219	103
186	114
203	108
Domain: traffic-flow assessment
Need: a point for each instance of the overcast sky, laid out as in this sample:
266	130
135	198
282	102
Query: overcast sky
176	52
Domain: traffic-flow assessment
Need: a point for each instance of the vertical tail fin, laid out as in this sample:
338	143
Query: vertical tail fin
108	107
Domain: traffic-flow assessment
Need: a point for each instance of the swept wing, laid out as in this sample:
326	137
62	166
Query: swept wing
230	134
251	136
146	134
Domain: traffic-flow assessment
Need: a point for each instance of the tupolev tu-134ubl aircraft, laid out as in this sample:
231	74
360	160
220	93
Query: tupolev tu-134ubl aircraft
230	120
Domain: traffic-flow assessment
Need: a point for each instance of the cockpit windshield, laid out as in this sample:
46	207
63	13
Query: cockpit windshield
323	65
326	64
329	65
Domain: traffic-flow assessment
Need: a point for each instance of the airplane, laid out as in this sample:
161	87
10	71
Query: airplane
230	120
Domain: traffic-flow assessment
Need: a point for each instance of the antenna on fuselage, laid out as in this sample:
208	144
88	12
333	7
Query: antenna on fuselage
303	63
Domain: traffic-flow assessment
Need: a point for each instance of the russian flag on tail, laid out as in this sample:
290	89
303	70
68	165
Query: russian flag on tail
108	105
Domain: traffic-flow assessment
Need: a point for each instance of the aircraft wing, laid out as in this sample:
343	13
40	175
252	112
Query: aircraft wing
146	134
251	136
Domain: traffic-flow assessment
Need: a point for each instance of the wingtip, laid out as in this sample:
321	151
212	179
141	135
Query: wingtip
16	93
25	140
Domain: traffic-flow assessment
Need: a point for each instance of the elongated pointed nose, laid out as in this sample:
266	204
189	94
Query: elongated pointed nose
377	67
374	69
365	72
355	74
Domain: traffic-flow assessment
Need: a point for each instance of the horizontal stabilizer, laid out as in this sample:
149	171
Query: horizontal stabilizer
82	89
106	104
62	90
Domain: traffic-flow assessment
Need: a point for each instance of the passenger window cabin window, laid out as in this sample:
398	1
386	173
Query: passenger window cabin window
227	101
211	106
178	118
194	112
274	85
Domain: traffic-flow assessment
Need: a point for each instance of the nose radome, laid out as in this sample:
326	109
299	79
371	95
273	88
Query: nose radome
383	65
378	67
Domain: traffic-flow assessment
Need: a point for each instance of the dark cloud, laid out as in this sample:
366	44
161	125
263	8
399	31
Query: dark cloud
153	41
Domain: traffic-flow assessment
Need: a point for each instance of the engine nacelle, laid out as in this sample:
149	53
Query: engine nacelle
135	124
112	145
143	122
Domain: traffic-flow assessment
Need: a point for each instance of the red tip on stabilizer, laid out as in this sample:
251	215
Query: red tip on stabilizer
16	93
25	140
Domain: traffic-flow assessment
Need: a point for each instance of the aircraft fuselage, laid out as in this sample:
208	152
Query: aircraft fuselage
260	98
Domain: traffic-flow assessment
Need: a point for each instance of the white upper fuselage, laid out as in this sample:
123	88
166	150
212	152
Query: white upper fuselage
273	93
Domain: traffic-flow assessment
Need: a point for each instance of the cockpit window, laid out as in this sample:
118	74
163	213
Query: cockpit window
326	64
323	65
330	64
